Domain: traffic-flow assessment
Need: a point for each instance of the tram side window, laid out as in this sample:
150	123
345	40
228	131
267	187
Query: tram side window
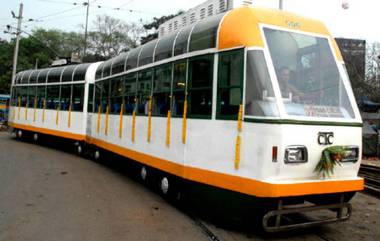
24	96
117	91
200	86
52	97
41	92
230	82
161	90
105	95
98	96
144	92
179	88
66	97
14	100
90	104
259	94
78	97
130	93
31	96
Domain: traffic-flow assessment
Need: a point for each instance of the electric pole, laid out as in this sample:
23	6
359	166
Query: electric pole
280	4
85	31
18	32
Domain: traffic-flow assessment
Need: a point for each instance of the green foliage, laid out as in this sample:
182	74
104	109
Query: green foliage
108	37
6	54
331	156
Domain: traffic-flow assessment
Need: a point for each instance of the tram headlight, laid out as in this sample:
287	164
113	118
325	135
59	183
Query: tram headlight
351	154
295	154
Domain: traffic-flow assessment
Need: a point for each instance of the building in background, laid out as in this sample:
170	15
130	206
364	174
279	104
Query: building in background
203	10
353	52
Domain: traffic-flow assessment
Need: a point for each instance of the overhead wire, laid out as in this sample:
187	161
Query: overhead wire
59	12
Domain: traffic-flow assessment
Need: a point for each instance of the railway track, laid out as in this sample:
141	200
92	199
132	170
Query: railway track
371	175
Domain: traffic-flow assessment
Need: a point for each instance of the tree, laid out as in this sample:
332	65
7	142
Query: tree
111	36
153	26
5	66
372	79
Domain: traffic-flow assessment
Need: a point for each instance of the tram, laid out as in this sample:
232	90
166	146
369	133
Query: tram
252	101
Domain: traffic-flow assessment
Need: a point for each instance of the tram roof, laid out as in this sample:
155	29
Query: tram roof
55	74
239	27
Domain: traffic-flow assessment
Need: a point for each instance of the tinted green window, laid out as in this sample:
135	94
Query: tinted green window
117	91
146	56
230	82
24	96
67	75
182	40
18	95
14	96
161	90
31	95
65	97
33	77
90	104
144	91
200	86
105	95
42	76
54	75
130	93
80	72
25	77
179	87
132	59
164	47
78	97
118	63
204	33
41	92
52	97
98	95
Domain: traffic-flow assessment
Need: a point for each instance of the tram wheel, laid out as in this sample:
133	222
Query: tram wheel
97	155
143	173
169	188
19	134
79	149
164	185
35	137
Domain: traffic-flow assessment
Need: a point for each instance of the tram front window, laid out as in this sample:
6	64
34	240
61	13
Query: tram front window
308	76
259	95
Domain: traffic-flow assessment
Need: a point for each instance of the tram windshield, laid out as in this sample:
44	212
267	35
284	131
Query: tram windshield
308	76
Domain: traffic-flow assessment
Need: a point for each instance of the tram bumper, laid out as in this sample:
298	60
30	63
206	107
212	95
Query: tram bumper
291	216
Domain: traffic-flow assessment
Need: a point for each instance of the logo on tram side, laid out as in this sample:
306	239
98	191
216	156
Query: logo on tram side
325	138
292	24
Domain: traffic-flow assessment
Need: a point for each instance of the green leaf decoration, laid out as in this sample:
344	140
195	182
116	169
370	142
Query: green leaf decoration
331	156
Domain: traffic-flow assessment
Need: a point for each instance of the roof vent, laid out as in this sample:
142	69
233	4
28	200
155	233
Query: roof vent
202	11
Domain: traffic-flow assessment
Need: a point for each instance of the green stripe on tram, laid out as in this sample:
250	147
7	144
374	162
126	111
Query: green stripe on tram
303	122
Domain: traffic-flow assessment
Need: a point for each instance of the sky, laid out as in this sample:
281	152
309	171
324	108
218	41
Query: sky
358	21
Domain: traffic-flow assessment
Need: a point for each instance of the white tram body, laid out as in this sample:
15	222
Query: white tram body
206	104
63	111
